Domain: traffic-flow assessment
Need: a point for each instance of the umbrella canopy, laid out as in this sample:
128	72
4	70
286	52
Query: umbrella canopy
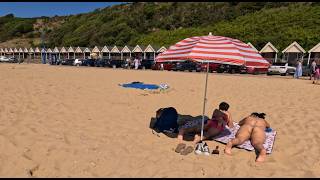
217	49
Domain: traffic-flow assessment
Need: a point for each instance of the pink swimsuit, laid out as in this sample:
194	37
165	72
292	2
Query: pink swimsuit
215	123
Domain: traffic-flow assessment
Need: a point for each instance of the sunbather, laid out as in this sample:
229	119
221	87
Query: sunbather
213	127
252	127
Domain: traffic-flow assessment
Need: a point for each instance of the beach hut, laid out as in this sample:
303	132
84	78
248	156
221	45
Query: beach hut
79	52
149	53
25	53
105	52
71	53
97	50
31	53
125	53
20	52
37	53
6	51
16	52
87	52
115	53
293	53
269	52
160	50
49	54
63	53
11	52
314	54
138	52
56	53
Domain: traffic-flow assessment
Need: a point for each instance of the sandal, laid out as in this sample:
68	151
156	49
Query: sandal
216	151
180	147
187	150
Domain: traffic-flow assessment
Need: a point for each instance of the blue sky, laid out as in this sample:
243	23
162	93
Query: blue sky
37	9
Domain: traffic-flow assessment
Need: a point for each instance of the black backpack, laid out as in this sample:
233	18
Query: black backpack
165	121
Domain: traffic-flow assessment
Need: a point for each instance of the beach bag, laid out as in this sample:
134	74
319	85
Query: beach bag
166	120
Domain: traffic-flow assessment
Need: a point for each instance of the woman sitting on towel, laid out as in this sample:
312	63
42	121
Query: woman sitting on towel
213	127
252	127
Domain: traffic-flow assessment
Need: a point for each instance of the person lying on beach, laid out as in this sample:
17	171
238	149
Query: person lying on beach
252	127
213	127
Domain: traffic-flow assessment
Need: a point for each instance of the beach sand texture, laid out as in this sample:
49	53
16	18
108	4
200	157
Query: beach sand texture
58	121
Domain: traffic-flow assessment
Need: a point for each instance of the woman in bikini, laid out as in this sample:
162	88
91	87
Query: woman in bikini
220	118
213	127
252	127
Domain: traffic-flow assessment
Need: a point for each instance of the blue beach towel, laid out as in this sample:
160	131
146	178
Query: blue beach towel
140	85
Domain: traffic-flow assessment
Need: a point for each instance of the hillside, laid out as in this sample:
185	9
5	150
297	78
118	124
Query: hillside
168	22
281	26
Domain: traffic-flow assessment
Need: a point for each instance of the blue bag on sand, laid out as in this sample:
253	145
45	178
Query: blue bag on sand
166	120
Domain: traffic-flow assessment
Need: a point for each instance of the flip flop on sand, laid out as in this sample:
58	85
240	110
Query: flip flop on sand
187	150
180	147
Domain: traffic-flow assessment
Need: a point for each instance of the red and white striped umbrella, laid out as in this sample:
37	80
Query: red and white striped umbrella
217	49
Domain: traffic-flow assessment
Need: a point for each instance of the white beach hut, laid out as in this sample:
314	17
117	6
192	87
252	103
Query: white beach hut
314	54
115	53
293	53
149	53
269	52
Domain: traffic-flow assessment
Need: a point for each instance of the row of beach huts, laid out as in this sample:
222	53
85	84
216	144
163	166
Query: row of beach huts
290	54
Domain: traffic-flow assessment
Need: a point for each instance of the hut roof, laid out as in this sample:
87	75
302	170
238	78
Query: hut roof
316	48
161	49
105	49
149	48
294	47
138	48
252	46
96	49
115	49
70	49
126	49
268	48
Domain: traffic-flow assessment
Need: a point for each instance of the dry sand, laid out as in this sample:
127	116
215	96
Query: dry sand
58	121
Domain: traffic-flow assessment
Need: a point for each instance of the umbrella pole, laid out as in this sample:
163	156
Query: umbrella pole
204	101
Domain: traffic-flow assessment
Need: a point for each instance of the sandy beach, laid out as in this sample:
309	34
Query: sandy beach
58	121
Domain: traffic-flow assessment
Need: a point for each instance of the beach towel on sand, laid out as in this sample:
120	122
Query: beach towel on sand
230	133
140	85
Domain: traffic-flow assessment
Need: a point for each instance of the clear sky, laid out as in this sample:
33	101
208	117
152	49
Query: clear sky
37	9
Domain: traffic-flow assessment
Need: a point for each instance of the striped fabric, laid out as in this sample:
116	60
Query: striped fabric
216	49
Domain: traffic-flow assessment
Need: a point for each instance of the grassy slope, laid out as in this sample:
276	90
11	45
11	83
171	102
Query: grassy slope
280	26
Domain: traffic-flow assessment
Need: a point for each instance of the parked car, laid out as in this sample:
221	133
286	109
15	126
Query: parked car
115	63
232	68
166	65
4	59
69	62
187	66
88	62
55	61
281	68
101	62
257	70
77	62
212	67
147	63
13	60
